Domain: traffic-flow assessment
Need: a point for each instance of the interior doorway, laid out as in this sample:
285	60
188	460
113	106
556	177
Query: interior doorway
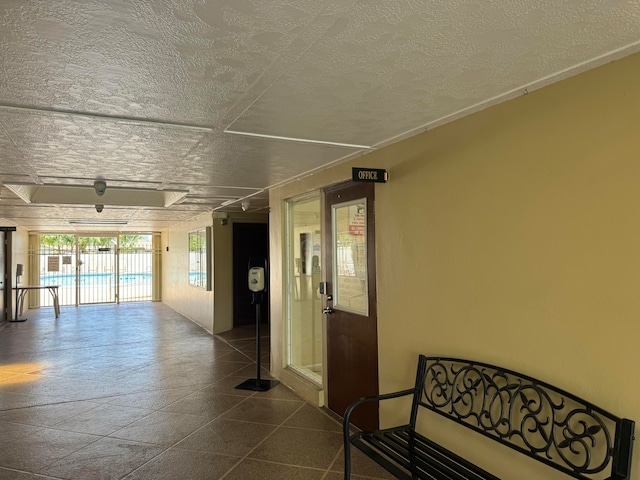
249	240
352	330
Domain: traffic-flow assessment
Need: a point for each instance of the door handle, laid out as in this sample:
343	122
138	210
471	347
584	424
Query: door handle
327	311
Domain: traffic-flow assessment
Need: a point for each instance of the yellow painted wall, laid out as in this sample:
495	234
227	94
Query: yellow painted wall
512	237
194	303
211	310
19	254
20	247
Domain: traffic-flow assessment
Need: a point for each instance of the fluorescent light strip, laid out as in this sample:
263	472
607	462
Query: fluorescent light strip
299	140
97	222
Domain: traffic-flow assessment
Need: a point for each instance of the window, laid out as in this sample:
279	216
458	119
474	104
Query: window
200	258
304	273
351	291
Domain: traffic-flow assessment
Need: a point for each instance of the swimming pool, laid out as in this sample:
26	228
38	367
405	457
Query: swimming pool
69	279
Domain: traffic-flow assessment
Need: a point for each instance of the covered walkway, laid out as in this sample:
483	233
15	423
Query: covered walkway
137	391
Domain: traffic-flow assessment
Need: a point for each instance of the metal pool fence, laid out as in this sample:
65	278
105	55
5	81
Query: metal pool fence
103	272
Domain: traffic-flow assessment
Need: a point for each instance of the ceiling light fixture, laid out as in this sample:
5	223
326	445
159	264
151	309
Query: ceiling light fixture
97	222
58	194
245	205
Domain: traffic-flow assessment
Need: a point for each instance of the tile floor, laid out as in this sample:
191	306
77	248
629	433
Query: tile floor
137	391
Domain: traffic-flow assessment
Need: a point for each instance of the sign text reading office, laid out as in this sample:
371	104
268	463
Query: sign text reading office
376	175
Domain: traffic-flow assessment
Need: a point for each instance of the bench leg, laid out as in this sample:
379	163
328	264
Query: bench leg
347	461
347	448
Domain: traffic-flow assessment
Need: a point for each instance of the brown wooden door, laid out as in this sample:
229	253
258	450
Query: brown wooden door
352	333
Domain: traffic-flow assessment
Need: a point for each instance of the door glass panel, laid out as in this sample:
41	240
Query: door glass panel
350	288
304	273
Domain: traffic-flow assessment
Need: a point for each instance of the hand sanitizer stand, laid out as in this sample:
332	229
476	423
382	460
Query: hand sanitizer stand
257	285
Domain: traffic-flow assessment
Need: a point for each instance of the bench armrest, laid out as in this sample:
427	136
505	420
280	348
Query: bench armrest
347	421
360	401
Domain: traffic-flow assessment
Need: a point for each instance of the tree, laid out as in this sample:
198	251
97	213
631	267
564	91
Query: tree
128	242
58	243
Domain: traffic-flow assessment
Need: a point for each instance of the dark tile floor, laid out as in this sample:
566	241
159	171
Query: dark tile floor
137	391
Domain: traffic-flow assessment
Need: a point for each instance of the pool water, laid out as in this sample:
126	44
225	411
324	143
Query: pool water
69	279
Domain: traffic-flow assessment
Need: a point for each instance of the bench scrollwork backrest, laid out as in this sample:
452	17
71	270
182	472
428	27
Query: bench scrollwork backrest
535	418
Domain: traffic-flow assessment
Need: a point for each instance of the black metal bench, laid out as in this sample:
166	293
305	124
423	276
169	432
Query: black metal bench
525	414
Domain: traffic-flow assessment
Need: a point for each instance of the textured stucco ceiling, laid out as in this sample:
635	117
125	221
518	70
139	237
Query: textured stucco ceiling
227	98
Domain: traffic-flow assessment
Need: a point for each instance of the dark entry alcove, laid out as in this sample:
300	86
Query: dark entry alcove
249	240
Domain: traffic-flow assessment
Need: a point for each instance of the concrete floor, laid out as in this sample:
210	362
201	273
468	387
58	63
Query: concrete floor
137	391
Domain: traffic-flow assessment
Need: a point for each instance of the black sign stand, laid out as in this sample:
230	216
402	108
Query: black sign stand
257	384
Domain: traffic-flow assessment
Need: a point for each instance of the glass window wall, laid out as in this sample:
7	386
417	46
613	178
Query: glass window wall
304	273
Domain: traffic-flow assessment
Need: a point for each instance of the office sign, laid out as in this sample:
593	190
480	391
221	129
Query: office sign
369	175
